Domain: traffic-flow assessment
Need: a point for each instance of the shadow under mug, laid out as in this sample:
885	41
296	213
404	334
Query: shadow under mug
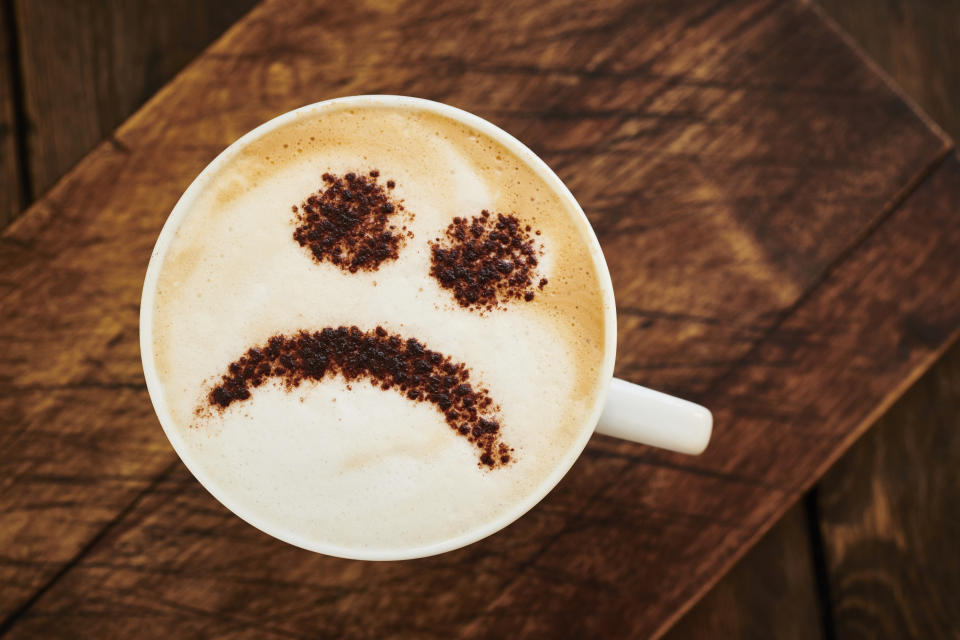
621	409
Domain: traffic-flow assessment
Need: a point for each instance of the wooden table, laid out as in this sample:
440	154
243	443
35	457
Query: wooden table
781	227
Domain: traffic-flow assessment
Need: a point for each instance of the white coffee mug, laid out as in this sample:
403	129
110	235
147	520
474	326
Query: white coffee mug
621	409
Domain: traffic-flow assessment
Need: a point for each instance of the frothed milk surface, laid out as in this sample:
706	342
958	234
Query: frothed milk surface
354	466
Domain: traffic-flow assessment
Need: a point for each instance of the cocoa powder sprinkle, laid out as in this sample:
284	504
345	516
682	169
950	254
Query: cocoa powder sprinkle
385	360
487	260
351	222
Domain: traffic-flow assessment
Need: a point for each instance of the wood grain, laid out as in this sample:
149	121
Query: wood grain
887	506
889	518
771	593
626	539
91	63
916	43
752	229
11	198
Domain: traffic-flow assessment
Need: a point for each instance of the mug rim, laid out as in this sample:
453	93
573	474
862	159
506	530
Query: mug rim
155	390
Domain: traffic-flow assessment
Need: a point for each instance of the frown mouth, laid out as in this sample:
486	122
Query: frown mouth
388	361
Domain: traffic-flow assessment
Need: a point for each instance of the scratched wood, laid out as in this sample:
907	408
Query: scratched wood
90	63
745	172
771	593
11	198
889	518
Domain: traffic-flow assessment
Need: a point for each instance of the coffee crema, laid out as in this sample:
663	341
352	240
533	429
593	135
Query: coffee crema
332	457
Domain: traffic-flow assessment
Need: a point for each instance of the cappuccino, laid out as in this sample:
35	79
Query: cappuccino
376	328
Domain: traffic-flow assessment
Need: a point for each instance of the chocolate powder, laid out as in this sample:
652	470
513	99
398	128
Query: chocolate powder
486	261
353	222
386	360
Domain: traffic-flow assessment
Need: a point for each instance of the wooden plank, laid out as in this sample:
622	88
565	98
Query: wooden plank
921	52
802	395
915	42
889	541
88	64
771	593
626	540
11	198
723	197
889	517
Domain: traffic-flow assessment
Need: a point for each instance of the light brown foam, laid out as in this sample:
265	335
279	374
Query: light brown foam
570	309
573	300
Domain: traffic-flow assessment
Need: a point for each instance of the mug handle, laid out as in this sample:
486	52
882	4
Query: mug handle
649	417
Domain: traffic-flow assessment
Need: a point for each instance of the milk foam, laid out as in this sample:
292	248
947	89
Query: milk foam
359	467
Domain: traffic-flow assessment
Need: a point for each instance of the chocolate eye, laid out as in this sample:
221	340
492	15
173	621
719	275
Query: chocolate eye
352	222
487	260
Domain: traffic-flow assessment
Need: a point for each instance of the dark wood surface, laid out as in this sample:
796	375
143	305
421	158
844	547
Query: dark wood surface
779	188
11	199
92	62
885	595
890	522
887	514
917	43
771	593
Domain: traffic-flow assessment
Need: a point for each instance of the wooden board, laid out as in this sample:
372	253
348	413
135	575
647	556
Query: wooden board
91	63
11	198
890	541
739	213
916	43
771	593
590	559
889	517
